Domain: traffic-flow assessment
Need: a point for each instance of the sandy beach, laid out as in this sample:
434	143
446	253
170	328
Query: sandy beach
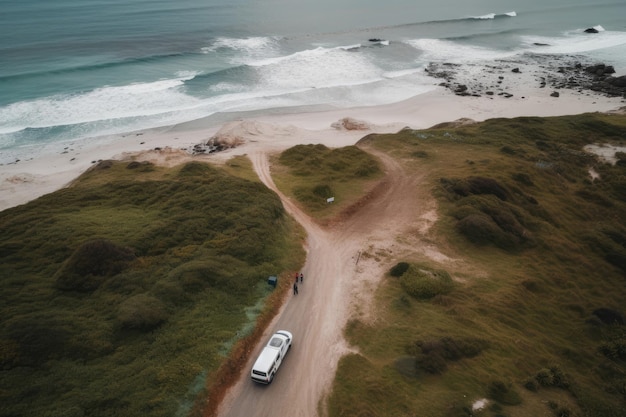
51	169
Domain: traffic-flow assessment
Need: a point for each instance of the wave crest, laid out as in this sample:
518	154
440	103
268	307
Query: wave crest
490	16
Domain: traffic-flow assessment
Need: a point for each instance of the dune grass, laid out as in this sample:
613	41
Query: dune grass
122	294
313	173
533	322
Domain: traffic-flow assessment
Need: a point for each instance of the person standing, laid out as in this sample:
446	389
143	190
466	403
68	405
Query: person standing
295	288
301	277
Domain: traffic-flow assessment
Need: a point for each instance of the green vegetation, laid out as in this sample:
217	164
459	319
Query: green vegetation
122	294
314	173
531	316
422	282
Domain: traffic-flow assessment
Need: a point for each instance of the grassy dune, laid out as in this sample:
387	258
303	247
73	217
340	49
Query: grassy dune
313	173
123	294
528	319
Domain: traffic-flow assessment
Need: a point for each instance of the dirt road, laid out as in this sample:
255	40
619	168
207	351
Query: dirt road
345	262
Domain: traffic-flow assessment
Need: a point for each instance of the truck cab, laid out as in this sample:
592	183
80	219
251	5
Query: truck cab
270	358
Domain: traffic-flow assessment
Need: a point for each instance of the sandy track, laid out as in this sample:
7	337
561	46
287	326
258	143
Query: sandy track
335	287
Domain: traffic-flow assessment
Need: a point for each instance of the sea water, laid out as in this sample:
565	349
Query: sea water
79	69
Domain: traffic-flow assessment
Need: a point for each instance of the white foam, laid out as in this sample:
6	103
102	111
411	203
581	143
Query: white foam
319	51
318	68
449	51
403	73
241	44
574	42
490	16
226	87
307	54
245	50
10	129
351	47
106	103
485	17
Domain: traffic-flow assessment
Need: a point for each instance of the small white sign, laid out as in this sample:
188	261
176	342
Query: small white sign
330	200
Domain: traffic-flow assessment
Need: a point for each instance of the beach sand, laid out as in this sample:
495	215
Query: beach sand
30	178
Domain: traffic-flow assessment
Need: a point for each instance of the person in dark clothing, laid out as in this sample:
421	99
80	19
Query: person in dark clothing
295	288
301	277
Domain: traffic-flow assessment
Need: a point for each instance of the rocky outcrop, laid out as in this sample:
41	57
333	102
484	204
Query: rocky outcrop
611	86
596	77
348	123
556	72
600	70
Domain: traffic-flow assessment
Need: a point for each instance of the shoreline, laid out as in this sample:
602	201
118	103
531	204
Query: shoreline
26	180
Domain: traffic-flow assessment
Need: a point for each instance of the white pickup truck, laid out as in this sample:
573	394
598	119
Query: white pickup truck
271	357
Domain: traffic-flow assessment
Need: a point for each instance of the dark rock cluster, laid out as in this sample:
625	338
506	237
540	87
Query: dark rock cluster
605	82
556	72
207	147
596	77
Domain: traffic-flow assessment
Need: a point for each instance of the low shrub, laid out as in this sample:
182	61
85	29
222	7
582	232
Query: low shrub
609	244
425	283
523	179
399	269
613	345
91	263
420	154
614	349
224	273
531	385
608	316
192	169
307	195
34	339
503	393
481	229
532	285
141	312
506	149
544	378
552	376
432	355
323	190
476	186
144	166
595	197
488	220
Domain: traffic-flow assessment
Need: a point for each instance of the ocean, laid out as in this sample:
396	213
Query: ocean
80	69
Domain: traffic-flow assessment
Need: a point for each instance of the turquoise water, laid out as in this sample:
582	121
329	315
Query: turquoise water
74	69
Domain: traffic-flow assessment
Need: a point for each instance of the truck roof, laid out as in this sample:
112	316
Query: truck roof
268	355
